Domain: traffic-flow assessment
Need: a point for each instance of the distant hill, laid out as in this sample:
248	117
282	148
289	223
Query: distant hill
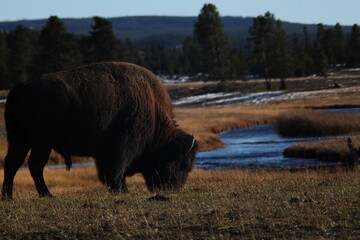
149	30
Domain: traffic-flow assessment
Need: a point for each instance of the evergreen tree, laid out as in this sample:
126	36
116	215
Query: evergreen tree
239	64
298	53
20	56
3	59
131	52
261	46
321	64
58	49
354	45
212	44
321	61
102	44
302	51
280	64
339	45
331	42
307	57
189	56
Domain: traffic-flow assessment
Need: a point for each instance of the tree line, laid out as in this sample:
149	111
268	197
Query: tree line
208	54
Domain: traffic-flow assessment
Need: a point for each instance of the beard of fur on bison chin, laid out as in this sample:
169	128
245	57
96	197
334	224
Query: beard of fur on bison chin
174	161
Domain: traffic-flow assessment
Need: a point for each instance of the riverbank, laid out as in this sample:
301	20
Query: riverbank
308	204
328	150
335	126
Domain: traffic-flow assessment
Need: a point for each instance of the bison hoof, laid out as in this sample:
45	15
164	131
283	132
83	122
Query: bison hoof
45	195
7	198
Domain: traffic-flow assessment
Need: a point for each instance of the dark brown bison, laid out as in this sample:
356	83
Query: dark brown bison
118	113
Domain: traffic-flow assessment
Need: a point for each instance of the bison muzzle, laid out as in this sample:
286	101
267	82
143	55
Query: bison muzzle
118	113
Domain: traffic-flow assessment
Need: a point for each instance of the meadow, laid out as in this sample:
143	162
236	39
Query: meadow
309	204
230	204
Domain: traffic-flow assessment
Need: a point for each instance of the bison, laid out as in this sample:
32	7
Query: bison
118	113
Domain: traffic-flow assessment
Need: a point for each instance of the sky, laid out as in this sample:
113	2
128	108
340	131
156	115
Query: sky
345	12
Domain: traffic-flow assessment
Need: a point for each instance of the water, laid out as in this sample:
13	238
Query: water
257	147
343	110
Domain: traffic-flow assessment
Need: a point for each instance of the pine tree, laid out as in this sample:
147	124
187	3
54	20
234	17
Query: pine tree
321	61
339	45
298	53
212	44
261	46
102	44
20	56
308	49
239	64
189	56
57	48
3	59
131	52
301	55
354	47
280	65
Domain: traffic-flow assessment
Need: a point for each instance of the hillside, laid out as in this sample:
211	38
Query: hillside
149	30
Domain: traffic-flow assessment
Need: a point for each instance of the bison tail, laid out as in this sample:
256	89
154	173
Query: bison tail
68	162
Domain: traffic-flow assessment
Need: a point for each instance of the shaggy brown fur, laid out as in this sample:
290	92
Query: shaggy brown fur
119	113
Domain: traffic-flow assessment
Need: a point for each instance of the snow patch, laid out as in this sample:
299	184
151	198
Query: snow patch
261	97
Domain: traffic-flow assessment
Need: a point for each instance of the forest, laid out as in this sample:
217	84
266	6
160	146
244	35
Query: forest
268	52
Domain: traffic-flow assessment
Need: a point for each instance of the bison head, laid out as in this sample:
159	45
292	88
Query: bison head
171	164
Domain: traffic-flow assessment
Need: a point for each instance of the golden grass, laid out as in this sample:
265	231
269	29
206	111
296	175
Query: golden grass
317	123
214	205
335	150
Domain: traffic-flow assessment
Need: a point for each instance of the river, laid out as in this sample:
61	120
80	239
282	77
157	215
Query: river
258	147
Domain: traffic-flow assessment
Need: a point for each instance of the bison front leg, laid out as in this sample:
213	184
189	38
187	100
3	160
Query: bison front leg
111	172
107	172
14	159
114	161
37	161
124	188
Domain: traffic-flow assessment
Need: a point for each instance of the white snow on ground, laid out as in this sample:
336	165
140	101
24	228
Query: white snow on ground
261	97
200	99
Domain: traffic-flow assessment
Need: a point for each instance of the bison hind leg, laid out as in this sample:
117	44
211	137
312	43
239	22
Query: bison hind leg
14	159
37	161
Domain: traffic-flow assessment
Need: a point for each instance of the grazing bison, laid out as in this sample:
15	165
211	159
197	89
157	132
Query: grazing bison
118	113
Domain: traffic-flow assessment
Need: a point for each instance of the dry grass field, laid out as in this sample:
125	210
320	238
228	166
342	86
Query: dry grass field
306	204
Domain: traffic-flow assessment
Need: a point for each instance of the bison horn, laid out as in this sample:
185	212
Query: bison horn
192	144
